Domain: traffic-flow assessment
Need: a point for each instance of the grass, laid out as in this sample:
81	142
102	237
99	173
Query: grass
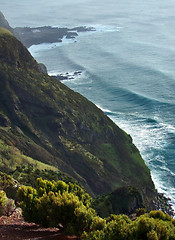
11	157
5	31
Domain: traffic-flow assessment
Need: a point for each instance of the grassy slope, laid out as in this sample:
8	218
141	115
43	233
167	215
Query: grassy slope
5	31
50	123
11	157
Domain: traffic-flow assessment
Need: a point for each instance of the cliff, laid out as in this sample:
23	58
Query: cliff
48	122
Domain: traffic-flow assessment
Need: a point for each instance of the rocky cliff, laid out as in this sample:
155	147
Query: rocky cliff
48	122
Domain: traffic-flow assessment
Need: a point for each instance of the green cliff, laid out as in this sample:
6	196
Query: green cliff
43	120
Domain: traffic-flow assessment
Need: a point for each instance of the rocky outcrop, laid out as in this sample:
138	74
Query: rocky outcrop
124	200
43	68
30	36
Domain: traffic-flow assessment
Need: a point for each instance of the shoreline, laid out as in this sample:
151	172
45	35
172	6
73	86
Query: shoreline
47	34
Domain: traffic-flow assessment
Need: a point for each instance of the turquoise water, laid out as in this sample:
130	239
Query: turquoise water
127	67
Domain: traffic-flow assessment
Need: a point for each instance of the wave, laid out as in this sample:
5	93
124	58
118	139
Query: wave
107	111
151	136
134	99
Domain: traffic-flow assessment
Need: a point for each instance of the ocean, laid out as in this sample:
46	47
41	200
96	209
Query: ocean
127	67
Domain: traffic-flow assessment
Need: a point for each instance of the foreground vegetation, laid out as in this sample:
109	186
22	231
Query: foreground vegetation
57	203
67	205
53	203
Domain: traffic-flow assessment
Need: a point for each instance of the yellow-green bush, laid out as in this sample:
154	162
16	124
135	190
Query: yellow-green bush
7	206
2	201
53	203
153	226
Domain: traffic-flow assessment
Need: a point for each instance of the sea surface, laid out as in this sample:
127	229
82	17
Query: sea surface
127	65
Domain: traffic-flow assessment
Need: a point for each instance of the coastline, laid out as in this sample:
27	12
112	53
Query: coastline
47	34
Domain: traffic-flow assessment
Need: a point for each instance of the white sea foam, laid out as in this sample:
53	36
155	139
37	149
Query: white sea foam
35	50
104	109
106	28
54	73
151	138
74	77
36	31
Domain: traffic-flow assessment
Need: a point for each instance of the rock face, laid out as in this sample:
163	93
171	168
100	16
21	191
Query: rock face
4	23
43	68
124	200
62	128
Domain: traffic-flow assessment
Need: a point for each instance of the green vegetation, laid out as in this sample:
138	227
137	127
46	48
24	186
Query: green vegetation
8	193
5	31
11	157
2	201
53	203
57	202
41	120
27	175
144	227
123	200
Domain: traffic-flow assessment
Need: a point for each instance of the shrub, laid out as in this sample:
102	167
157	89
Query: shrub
2	202
145	227
140	211
157	214
9	185
7	206
152	235
53	203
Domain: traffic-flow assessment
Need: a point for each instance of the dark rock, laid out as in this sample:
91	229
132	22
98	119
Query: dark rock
71	35
83	29
77	73
43	68
124	200
46	34
4	121
60	77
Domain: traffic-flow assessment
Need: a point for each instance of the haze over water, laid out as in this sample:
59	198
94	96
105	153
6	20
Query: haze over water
127	65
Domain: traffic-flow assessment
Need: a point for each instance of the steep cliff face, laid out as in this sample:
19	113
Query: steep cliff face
50	123
4	23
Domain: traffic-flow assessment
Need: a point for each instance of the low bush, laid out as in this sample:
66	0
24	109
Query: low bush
7	206
53	203
153	226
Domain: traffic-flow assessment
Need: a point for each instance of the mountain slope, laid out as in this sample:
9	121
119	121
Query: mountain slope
4	24
53	124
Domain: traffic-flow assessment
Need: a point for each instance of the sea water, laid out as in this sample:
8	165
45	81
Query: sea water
127	67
